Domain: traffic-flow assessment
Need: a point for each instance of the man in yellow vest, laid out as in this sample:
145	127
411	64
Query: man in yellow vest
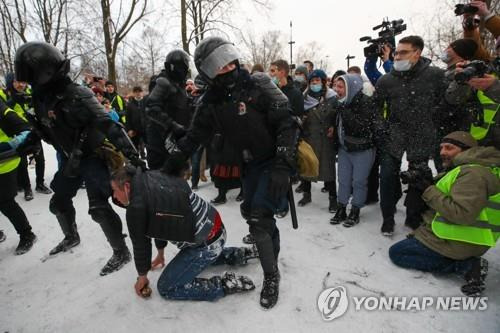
462	221
117	102
13	132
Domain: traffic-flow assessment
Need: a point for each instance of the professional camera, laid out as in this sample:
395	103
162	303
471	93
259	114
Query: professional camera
416	173
389	29
475	68
462	9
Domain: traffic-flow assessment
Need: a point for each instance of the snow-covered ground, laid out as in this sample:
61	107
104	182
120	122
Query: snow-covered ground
66	293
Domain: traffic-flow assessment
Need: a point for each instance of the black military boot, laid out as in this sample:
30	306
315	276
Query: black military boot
270	290
233	284
25	243
306	199
476	278
353	217
332	204
69	229
117	261
340	215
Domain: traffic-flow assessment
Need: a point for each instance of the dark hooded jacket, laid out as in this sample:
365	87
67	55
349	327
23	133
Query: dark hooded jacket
412	99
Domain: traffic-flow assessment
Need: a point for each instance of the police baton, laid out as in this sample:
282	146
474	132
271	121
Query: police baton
293	211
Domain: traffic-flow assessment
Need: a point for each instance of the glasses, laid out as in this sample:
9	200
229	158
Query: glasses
403	52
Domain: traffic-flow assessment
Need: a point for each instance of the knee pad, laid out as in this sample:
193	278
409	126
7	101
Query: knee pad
102	214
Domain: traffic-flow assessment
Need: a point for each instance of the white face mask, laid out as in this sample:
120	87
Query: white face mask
445	57
402	65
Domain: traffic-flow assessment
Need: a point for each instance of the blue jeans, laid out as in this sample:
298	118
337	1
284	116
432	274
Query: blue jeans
179	279
411	253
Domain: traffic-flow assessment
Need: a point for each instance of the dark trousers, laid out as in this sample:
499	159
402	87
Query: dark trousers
331	187
9	207
411	253
390	185
94	172
258	209
23	179
195	166
373	180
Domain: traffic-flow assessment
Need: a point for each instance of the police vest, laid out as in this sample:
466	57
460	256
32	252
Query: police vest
119	100
10	164
3	95
490	109
486	229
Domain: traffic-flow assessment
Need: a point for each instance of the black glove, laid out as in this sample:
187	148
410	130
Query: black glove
178	131
279	181
31	145
176	164
423	184
137	162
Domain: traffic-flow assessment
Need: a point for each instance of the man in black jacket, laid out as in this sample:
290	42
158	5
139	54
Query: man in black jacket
253	114
167	107
164	208
136	119
409	97
279	72
69	117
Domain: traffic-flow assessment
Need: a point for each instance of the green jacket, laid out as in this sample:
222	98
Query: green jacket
469	196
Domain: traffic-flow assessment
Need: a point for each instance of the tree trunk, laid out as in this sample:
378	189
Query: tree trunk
185	42
108	46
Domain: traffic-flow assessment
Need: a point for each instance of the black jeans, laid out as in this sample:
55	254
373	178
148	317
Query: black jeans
23	179
331	187
390	185
9	207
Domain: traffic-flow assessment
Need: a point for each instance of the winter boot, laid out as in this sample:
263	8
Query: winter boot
233	284
353	217
300	188
281	213
67	243
340	215
476	278
220	199
388	227
270	290
117	261
306	198
248	239
239	197
28	194
71	237
2	236
332	205
42	188
25	243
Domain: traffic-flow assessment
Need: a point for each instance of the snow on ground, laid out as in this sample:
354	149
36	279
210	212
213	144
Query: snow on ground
66	293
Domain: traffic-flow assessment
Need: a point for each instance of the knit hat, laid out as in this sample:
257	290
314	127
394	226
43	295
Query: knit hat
317	73
460	139
301	70
9	81
465	48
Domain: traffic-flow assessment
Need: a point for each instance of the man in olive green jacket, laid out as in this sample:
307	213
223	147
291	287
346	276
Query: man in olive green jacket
469	194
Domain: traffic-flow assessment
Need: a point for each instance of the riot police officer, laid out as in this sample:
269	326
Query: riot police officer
69	117
253	114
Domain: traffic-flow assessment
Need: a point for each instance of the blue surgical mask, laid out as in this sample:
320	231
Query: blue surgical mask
275	80
315	87
402	65
300	79
445	57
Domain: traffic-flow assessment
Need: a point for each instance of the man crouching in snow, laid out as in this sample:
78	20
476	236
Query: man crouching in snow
164	208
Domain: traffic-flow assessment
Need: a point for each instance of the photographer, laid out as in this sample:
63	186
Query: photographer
461	222
471	23
371	70
412	92
477	88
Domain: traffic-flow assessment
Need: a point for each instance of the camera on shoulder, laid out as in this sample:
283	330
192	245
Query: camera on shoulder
386	36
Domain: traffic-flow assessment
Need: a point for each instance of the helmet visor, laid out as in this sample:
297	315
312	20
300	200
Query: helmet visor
219	58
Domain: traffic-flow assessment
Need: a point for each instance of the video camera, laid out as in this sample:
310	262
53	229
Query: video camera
389	29
416	173
475	68
462	9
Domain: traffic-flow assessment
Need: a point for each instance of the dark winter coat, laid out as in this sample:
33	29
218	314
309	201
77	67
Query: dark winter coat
135	116
412	98
254	116
295	97
164	208
319	115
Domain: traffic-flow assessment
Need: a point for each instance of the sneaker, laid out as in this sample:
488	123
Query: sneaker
306	199
28	194
281	214
25	243
117	261
388	227
2	236
219	200
332	204
42	188
194	187
233	284
67	243
270	290
353	218
248	239
340	215
476	278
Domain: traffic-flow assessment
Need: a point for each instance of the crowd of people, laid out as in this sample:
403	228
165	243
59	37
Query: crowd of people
244	124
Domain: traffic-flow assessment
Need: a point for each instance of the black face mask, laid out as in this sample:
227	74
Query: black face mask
227	80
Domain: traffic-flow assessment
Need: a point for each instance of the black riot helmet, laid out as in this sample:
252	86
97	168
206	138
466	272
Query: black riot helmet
39	63
212	54
177	65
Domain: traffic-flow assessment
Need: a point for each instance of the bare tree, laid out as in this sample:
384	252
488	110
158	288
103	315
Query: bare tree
115	31
266	49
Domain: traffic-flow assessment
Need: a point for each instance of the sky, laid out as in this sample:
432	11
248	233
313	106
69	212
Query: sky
338	25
